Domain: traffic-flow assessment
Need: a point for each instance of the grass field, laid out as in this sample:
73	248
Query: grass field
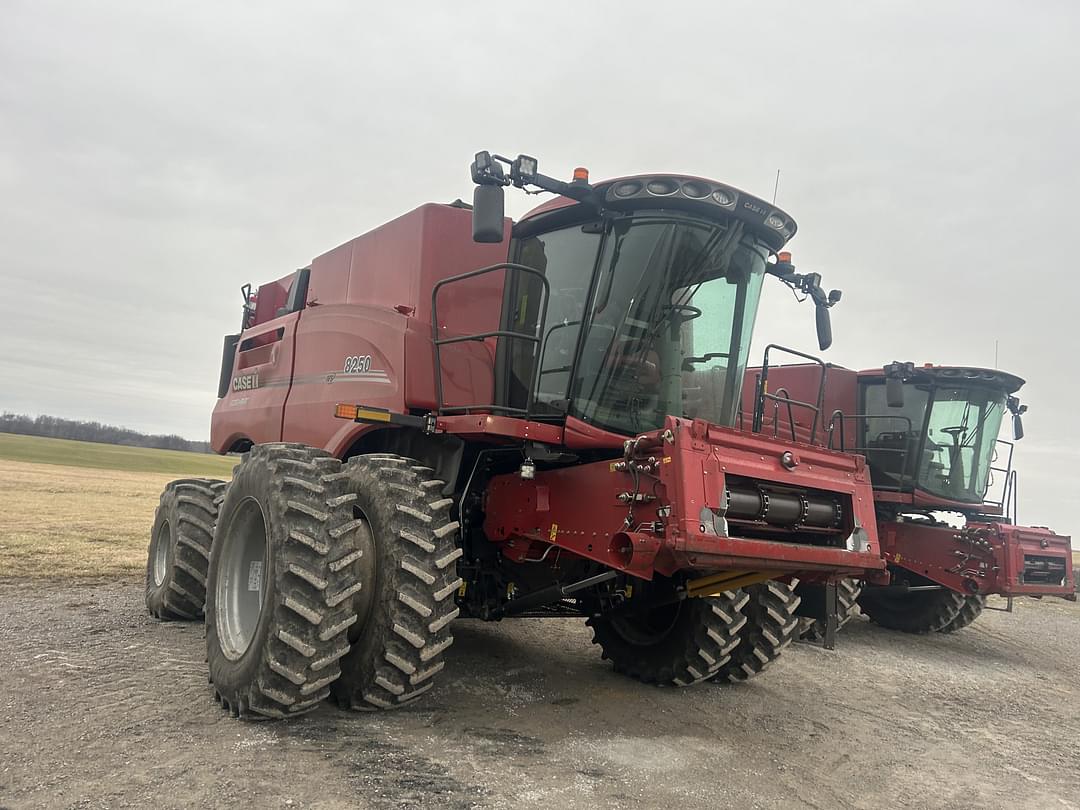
37	450
80	509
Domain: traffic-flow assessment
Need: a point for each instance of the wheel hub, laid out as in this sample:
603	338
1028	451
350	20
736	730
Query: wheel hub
241	581
161	553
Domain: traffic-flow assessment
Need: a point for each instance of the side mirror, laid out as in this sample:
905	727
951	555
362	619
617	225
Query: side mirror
487	214
824	327
894	392
1018	427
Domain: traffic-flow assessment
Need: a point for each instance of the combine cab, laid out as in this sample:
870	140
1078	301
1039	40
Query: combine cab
944	487
455	414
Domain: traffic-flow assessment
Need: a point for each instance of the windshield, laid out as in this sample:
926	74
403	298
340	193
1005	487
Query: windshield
667	323
942	439
961	432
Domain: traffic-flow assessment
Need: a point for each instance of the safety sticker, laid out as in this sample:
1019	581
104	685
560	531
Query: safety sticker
255	575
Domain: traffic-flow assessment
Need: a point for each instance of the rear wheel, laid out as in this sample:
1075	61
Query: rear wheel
911	612
179	553
771	625
969	612
677	644
283	575
409	546
847	605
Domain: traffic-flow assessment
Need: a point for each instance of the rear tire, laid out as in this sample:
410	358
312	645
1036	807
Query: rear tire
410	549
180	541
973	606
847	606
912	612
283	575
771	625
673	645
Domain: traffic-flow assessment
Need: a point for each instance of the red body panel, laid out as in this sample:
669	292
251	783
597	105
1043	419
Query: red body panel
262	374
368	298
578	508
1024	546
981	558
325	337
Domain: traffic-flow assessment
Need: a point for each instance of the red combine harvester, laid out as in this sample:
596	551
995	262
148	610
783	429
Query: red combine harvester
454	414
930	437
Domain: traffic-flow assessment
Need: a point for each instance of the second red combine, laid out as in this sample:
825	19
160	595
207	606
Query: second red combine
944	487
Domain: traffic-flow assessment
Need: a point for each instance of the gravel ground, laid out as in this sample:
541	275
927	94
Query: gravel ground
103	707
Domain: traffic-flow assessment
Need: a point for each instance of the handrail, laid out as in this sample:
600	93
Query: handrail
783	395
544	346
839	413
761	394
832	427
1008	490
1014	486
498	334
839	418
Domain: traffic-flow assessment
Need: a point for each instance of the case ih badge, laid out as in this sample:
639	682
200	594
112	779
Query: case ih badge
246	382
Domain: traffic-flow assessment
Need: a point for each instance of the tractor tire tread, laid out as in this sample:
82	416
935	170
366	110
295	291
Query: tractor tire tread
771	625
847	606
969	612
398	647
301	646
927	612
705	639
190	507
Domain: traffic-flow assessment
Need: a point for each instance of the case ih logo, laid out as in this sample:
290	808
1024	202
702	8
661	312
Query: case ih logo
757	209
245	382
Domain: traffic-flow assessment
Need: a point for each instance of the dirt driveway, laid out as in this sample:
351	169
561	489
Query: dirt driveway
102	707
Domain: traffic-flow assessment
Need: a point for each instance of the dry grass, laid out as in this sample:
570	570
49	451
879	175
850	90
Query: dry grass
74	522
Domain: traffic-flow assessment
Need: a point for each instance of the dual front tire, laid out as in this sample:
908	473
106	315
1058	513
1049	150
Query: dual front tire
328	578
283	573
406	602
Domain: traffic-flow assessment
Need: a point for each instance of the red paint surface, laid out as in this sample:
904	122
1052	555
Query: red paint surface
585	516
984	558
356	298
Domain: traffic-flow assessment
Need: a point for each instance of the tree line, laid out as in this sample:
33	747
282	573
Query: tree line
56	428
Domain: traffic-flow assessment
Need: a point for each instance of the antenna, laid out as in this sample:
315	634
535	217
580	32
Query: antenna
995	354
776	187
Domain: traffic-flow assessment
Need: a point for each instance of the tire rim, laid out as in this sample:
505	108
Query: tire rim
368	576
241	580
161	553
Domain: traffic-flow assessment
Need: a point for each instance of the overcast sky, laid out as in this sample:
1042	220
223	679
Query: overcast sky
154	157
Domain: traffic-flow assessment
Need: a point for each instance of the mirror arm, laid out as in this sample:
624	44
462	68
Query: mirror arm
809	284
